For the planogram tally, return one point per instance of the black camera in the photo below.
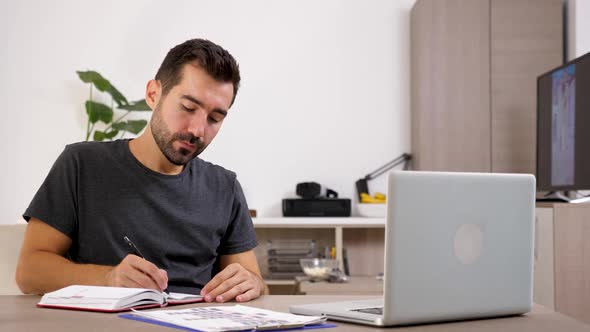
(308, 189)
(313, 204)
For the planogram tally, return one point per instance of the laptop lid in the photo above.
(457, 246)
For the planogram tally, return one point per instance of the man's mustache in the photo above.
(186, 137)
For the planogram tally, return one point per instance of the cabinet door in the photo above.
(572, 260)
(450, 70)
(544, 281)
(365, 250)
(526, 41)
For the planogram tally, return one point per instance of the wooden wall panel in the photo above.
(526, 41)
(450, 55)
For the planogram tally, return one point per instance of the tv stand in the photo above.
(557, 196)
(585, 199)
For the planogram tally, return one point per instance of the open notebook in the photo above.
(112, 299)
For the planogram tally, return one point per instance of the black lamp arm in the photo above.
(404, 158)
(361, 184)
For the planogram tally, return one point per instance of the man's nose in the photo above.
(198, 124)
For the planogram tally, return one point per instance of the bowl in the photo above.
(372, 210)
(318, 268)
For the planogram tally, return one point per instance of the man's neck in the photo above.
(146, 151)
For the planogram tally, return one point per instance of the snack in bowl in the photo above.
(318, 268)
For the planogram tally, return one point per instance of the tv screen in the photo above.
(563, 127)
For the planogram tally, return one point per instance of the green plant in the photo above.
(100, 112)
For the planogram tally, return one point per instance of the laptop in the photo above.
(457, 246)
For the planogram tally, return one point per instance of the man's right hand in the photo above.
(134, 271)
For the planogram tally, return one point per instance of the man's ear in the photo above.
(153, 93)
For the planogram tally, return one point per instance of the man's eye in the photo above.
(187, 109)
(213, 120)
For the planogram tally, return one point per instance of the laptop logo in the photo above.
(468, 243)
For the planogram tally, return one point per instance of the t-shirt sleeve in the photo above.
(55, 203)
(240, 235)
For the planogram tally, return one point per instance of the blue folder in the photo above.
(157, 322)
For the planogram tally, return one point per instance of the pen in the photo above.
(134, 249)
(136, 252)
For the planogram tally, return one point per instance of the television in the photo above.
(563, 127)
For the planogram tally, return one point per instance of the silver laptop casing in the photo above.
(425, 279)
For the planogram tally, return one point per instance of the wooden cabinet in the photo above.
(572, 259)
(562, 268)
(474, 65)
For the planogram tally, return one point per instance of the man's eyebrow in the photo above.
(198, 102)
(220, 111)
(192, 99)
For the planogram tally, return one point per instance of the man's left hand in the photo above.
(233, 282)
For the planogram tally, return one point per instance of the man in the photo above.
(187, 217)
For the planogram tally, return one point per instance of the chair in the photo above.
(11, 239)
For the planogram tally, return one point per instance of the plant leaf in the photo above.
(111, 134)
(102, 84)
(133, 126)
(99, 135)
(98, 112)
(139, 105)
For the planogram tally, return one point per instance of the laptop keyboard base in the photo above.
(374, 311)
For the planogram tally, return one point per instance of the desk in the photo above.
(18, 314)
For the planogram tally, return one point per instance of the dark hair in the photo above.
(216, 61)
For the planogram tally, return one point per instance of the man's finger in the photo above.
(225, 274)
(249, 295)
(229, 289)
(138, 280)
(151, 270)
(141, 279)
(236, 290)
(220, 289)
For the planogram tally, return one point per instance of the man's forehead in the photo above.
(193, 70)
(192, 80)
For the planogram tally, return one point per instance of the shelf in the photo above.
(319, 222)
(335, 224)
(276, 282)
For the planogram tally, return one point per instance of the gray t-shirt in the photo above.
(97, 192)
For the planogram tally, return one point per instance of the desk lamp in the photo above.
(361, 184)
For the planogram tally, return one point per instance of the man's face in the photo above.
(187, 119)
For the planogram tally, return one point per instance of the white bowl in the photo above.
(372, 210)
(317, 268)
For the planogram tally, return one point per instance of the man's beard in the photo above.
(165, 139)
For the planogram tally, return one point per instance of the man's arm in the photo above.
(42, 265)
(240, 278)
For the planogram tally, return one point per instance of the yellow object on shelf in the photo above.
(379, 198)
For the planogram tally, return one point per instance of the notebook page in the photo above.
(229, 318)
(103, 292)
(182, 296)
(99, 297)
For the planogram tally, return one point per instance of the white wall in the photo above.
(325, 92)
(578, 28)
